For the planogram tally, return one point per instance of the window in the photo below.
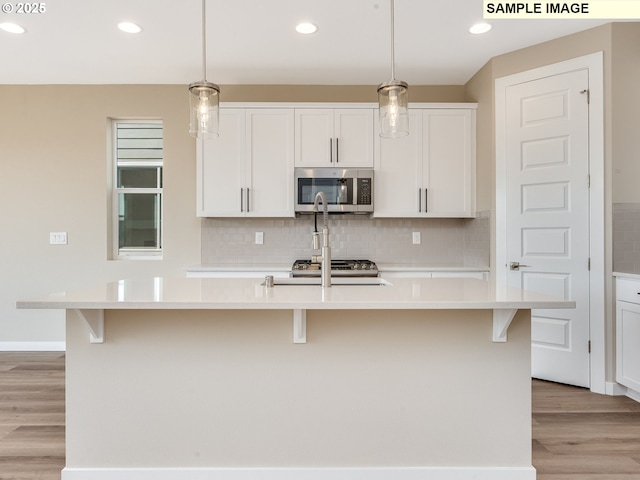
(137, 193)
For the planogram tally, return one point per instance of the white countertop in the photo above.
(248, 293)
(632, 276)
(382, 267)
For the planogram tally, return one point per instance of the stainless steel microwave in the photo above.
(347, 190)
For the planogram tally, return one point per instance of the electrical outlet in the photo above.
(259, 238)
(58, 238)
(416, 238)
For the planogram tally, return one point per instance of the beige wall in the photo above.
(619, 43)
(53, 165)
(53, 177)
(480, 88)
(625, 107)
(572, 46)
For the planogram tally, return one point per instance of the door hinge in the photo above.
(588, 92)
(589, 263)
(589, 346)
(589, 181)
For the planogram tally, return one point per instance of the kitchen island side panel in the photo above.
(228, 388)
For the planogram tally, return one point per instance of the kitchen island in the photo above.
(192, 378)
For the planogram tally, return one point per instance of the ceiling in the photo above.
(254, 42)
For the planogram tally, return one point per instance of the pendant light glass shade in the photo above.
(393, 104)
(393, 99)
(204, 102)
(204, 97)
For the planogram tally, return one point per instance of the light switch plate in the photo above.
(416, 238)
(58, 238)
(259, 238)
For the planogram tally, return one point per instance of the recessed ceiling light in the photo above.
(306, 28)
(12, 27)
(480, 28)
(129, 27)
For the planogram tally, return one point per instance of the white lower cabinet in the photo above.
(430, 172)
(404, 274)
(247, 170)
(230, 273)
(480, 275)
(476, 275)
(628, 333)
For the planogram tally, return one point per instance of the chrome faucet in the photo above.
(325, 257)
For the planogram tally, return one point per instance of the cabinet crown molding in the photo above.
(339, 105)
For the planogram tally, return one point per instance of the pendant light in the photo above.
(393, 99)
(204, 97)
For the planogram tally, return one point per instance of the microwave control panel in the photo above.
(364, 191)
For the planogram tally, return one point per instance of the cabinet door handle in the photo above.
(331, 150)
(337, 151)
(419, 200)
(248, 199)
(242, 199)
(426, 200)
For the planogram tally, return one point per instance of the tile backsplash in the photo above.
(444, 242)
(626, 237)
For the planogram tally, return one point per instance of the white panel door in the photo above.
(547, 194)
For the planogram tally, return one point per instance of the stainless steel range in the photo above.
(339, 268)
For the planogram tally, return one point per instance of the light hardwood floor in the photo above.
(577, 435)
(31, 416)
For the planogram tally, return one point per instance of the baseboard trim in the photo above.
(615, 389)
(417, 473)
(633, 395)
(33, 346)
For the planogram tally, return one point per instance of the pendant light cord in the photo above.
(204, 40)
(393, 61)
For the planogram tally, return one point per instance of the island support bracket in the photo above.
(299, 326)
(502, 318)
(95, 321)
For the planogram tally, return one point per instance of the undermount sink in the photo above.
(335, 281)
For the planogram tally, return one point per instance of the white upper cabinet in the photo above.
(334, 137)
(248, 170)
(431, 172)
(398, 173)
(269, 165)
(220, 164)
(448, 152)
